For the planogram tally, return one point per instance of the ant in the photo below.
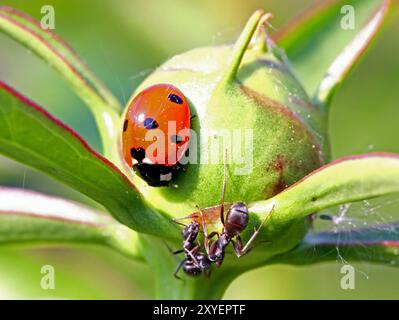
(234, 223)
(195, 261)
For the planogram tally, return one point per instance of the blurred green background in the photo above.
(123, 41)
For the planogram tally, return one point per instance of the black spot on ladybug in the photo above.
(176, 139)
(175, 98)
(125, 125)
(138, 154)
(150, 123)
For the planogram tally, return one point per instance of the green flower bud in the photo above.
(245, 91)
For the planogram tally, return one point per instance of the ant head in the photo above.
(237, 218)
(191, 230)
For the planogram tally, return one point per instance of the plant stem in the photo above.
(163, 264)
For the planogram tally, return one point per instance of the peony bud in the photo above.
(248, 105)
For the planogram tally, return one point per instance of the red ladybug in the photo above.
(156, 133)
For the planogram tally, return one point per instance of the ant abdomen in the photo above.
(198, 265)
(237, 218)
(191, 269)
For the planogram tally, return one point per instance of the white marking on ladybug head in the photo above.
(166, 177)
(147, 160)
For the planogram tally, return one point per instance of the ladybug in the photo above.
(156, 133)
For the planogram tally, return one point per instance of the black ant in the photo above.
(195, 261)
(235, 222)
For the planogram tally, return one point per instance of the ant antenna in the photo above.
(176, 220)
(223, 187)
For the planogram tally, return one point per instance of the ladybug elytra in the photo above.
(156, 133)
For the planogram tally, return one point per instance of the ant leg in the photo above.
(191, 254)
(203, 222)
(207, 241)
(238, 249)
(196, 248)
(170, 249)
(206, 236)
(212, 234)
(240, 252)
(178, 268)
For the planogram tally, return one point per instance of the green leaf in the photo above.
(321, 51)
(345, 180)
(378, 244)
(28, 217)
(31, 136)
(52, 49)
(81, 272)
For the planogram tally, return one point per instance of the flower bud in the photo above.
(250, 112)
